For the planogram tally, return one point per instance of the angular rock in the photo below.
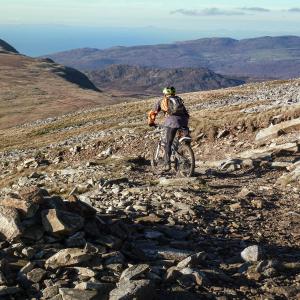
(113, 258)
(32, 195)
(109, 241)
(57, 297)
(289, 178)
(67, 257)
(26, 209)
(36, 275)
(152, 218)
(150, 234)
(76, 240)
(3, 280)
(244, 193)
(61, 222)
(281, 128)
(136, 289)
(168, 253)
(34, 232)
(11, 290)
(81, 208)
(10, 225)
(257, 203)
(50, 291)
(192, 260)
(84, 271)
(103, 288)
(179, 181)
(134, 272)
(172, 274)
(252, 253)
(74, 294)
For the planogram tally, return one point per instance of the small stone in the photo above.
(252, 253)
(245, 193)
(235, 206)
(109, 241)
(11, 290)
(257, 203)
(134, 272)
(50, 291)
(28, 252)
(192, 260)
(85, 272)
(187, 281)
(34, 232)
(61, 222)
(81, 208)
(32, 195)
(172, 274)
(103, 288)
(75, 294)
(26, 209)
(76, 240)
(153, 234)
(10, 224)
(149, 219)
(113, 258)
(136, 289)
(36, 275)
(3, 280)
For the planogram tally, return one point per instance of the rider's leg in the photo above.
(170, 135)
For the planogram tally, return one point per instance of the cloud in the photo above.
(294, 10)
(213, 11)
(255, 9)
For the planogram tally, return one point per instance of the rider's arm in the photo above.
(153, 113)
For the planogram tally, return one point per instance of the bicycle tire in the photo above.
(181, 166)
(157, 157)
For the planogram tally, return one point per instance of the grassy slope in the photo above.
(29, 90)
(134, 115)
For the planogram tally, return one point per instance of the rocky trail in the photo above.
(82, 216)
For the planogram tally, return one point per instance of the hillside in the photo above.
(83, 216)
(5, 47)
(265, 57)
(150, 81)
(32, 89)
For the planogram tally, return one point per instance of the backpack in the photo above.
(175, 105)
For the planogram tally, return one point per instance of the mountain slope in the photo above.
(150, 81)
(265, 57)
(5, 47)
(32, 89)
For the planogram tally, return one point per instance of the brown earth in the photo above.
(32, 89)
(102, 156)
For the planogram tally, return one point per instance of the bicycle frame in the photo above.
(178, 158)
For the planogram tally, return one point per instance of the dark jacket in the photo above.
(173, 121)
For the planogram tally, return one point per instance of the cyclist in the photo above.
(176, 115)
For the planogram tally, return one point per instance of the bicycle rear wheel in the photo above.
(185, 161)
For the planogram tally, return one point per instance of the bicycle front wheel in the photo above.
(157, 160)
(185, 161)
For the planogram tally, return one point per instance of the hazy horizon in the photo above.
(41, 27)
(44, 39)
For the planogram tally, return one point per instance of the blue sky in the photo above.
(141, 21)
(138, 13)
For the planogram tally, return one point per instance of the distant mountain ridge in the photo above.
(263, 57)
(150, 81)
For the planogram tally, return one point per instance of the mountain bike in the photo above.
(182, 156)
